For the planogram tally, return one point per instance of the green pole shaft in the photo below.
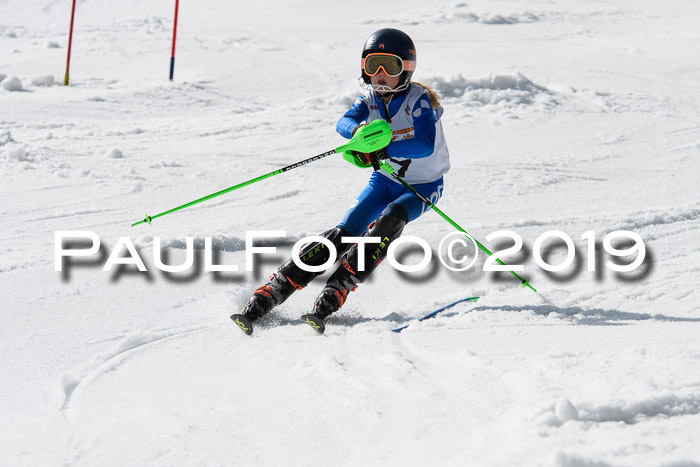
(370, 137)
(390, 170)
(148, 218)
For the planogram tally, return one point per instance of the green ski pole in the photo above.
(369, 138)
(390, 170)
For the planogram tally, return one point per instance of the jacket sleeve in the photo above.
(357, 114)
(423, 142)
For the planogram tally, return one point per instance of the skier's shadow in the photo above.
(270, 321)
(586, 317)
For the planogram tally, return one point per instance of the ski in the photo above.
(315, 322)
(246, 326)
(432, 314)
(242, 322)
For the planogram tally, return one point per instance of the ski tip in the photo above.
(242, 322)
(315, 322)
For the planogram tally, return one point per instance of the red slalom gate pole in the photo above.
(70, 42)
(172, 55)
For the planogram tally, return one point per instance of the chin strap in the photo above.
(378, 88)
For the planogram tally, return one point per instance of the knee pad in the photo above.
(387, 228)
(397, 211)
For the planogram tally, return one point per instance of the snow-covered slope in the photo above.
(565, 116)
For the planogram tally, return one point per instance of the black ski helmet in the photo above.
(389, 40)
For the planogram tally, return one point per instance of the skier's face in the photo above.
(382, 79)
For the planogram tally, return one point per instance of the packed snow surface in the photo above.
(577, 117)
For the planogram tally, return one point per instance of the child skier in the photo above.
(417, 152)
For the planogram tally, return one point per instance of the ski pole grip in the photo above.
(369, 138)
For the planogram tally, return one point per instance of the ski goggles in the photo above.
(393, 65)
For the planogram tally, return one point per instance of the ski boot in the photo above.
(330, 301)
(288, 278)
(347, 277)
(264, 299)
(258, 306)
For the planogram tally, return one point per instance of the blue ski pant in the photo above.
(378, 197)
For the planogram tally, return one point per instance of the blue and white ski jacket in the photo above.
(418, 150)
